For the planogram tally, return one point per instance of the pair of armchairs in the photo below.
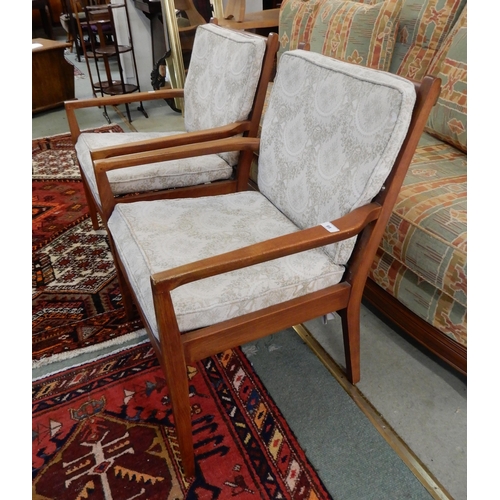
(212, 264)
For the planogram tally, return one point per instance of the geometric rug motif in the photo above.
(76, 300)
(105, 430)
(81, 260)
(56, 205)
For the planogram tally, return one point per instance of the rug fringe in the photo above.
(59, 358)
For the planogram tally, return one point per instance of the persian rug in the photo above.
(104, 431)
(76, 299)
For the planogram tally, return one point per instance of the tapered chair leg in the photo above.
(127, 299)
(178, 385)
(175, 368)
(91, 206)
(351, 333)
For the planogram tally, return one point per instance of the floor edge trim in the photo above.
(431, 484)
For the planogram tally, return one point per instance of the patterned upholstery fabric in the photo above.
(448, 119)
(359, 117)
(161, 175)
(155, 236)
(423, 27)
(422, 259)
(223, 63)
(350, 31)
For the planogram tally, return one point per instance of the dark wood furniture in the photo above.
(44, 11)
(53, 78)
(101, 22)
(453, 353)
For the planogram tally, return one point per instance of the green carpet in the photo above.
(351, 457)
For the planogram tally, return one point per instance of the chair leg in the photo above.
(127, 299)
(90, 202)
(93, 216)
(178, 386)
(351, 333)
(173, 362)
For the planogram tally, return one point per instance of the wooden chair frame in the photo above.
(368, 222)
(248, 128)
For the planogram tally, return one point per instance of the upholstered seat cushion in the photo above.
(144, 178)
(422, 259)
(159, 235)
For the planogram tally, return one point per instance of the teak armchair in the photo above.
(214, 272)
(223, 96)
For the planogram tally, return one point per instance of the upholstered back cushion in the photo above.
(448, 118)
(224, 71)
(423, 27)
(329, 138)
(350, 31)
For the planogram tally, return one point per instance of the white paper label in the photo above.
(330, 227)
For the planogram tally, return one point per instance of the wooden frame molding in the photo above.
(430, 337)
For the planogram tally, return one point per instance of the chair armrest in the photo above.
(113, 100)
(107, 198)
(171, 141)
(186, 150)
(348, 226)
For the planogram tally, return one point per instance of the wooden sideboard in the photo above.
(53, 78)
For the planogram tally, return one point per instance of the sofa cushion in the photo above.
(427, 235)
(423, 27)
(448, 119)
(350, 31)
(420, 297)
(428, 227)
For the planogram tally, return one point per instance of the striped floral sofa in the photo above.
(419, 277)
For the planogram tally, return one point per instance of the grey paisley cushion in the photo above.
(223, 75)
(330, 136)
(158, 235)
(220, 88)
(144, 178)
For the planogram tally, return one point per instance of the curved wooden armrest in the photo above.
(110, 100)
(113, 100)
(177, 152)
(107, 198)
(171, 141)
(348, 226)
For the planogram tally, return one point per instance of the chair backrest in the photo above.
(330, 137)
(222, 79)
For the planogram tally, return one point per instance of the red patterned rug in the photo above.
(76, 298)
(104, 431)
